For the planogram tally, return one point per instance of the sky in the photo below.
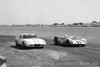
(49, 11)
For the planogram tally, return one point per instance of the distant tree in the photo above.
(69, 25)
(62, 24)
(75, 24)
(94, 22)
(29, 25)
(56, 24)
(81, 23)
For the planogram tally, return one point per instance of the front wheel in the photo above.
(56, 41)
(42, 46)
(23, 43)
(67, 42)
(81, 45)
(16, 44)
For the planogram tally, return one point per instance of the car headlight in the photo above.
(44, 41)
(83, 39)
(28, 42)
(74, 42)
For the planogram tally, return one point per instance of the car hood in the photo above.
(34, 41)
(78, 42)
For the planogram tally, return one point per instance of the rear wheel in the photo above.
(67, 42)
(56, 41)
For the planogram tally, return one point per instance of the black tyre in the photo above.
(23, 43)
(56, 41)
(79, 45)
(16, 44)
(42, 47)
(67, 42)
(83, 45)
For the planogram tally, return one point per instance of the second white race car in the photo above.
(69, 40)
(29, 40)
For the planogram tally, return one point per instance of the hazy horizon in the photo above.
(49, 11)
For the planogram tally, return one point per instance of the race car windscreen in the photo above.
(29, 36)
(73, 38)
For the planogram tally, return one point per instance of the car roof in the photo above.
(62, 36)
(28, 34)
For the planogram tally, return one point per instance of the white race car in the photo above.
(69, 40)
(29, 40)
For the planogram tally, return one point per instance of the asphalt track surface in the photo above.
(90, 53)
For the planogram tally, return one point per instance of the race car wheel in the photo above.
(83, 45)
(16, 44)
(80, 45)
(42, 46)
(23, 43)
(56, 41)
(67, 42)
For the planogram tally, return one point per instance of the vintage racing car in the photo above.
(69, 40)
(29, 40)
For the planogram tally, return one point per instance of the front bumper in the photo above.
(35, 45)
